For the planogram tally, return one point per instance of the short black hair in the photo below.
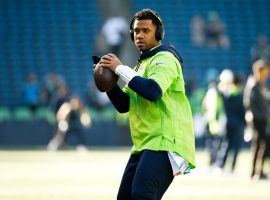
(147, 13)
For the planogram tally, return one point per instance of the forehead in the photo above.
(145, 23)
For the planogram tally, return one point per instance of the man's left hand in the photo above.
(110, 61)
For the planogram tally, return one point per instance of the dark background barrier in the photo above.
(38, 133)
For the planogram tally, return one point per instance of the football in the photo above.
(104, 78)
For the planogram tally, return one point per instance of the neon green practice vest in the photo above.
(166, 124)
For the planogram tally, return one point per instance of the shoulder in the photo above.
(165, 57)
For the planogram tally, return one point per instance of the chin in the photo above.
(143, 48)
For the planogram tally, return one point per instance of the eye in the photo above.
(137, 31)
(146, 30)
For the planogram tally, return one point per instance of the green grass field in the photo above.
(95, 175)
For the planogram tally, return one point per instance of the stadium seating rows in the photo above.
(44, 36)
(244, 19)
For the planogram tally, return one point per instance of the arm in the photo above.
(63, 112)
(147, 88)
(119, 99)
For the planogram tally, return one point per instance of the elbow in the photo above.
(155, 97)
(156, 94)
(122, 110)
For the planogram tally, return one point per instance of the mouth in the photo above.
(140, 44)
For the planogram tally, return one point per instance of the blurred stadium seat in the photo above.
(44, 113)
(23, 114)
(5, 114)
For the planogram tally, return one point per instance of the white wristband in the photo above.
(125, 73)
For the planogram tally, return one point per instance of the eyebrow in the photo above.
(142, 28)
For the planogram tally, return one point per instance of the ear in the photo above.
(131, 32)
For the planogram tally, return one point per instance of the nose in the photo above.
(140, 35)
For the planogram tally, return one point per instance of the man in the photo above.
(258, 106)
(230, 89)
(72, 117)
(159, 112)
(214, 114)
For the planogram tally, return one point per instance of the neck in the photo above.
(153, 47)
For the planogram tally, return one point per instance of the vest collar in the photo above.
(155, 50)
